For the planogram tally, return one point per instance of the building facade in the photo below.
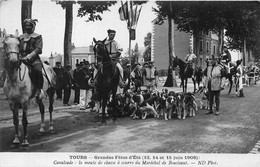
(1, 51)
(203, 45)
(79, 54)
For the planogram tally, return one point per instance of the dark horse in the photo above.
(229, 76)
(185, 74)
(107, 77)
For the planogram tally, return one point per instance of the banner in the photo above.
(123, 11)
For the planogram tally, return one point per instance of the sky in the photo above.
(51, 24)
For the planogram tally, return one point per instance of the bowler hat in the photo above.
(111, 31)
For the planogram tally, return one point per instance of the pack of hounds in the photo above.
(164, 105)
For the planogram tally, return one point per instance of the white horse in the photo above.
(19, 88)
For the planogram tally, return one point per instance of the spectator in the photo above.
(169, 80)
(85, 92)
(67, 82)
(190, 60)
(151, 77)
(239, 74)
(136, 76)
(58, 69)
(78, 74)
(127, 76)
(145, 66)
(213, 84)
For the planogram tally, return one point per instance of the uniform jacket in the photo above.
(29, 43)
(190, 57)
(150, 73)
(79, 76)
(113, 47)
(226, 57)
(67, 79)
(213, 81)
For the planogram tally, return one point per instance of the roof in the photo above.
(82, 50)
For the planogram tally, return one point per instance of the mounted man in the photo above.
(30, 49)
(190, 60)
(225, 59)
(114, 51)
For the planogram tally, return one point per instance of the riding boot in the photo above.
(39, 85)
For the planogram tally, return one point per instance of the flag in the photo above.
(135, 16)
(123, 11)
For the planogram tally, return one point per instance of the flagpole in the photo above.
(129, 29)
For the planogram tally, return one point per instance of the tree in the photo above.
(135, 55)
(147, 44)
(68, 6)
(26, 11)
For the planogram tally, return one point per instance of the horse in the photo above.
(107, 77)
(185, 74)
(19, 89)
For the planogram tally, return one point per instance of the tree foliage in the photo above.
(93, 9)
(147, 44)
(239, 18)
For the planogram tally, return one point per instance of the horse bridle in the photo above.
(103, 47)
(8, 53)
(13, 52)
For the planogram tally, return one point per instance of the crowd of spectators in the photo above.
(77, 79)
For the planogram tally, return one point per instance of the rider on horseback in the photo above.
(191, 59)
(30, 48)
(114, 50)
(225, 59)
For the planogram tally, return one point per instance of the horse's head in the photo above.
(175, 62)
(11, 49)
(100, 50)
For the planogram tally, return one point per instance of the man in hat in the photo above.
(136, 76)
(151, 76)
(67, 82)
(114, 50)
(191, 59)
(213, 83)
(225, 59)
(127, 76)
(59, 70)
(30, 49)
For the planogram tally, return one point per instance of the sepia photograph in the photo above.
(129, 83)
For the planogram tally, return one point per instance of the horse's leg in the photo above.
(186, 81)
(114, 116)
(183, 85)
(231, 83)
(51, 92)
(41, 107)
(25, 143)
(15, 110)
(194, 84)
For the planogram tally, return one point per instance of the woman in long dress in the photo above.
(169, 80)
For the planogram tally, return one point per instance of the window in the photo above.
(207, 47)
(214, 49)
(201, 46)
(83, 60)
